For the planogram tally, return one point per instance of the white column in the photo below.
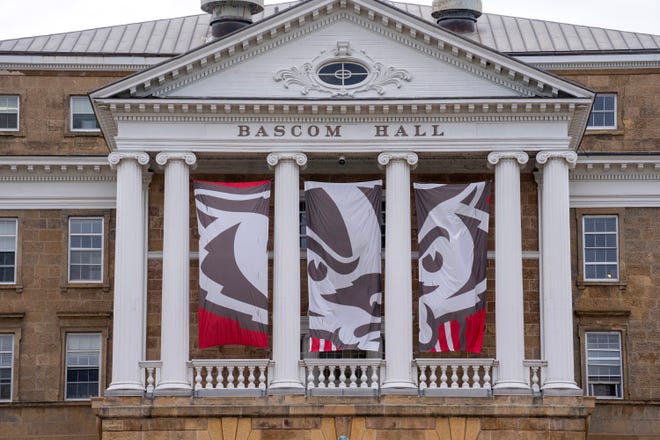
(509, 311)
(286, 273)
(129, 282)
(398, 272)
(174, 340)
(557, 298)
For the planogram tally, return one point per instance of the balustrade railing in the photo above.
(536, 369)
(229, 376)
(343, 376)
(455, 377)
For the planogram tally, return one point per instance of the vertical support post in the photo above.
(286, 273)
(130, 269)
(398, 273)
(174, 345)
(557, 331)
(509, 311)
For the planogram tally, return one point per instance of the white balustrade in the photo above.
(455, 377)
(246, 377)
(343, 376)
(536, 370)
(151, 375)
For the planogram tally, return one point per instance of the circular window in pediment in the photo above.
(343, 73)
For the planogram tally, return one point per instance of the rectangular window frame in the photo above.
(102, 250)
(12, 362)
(587, 359)
(17, 112)
(73, 103)
(13, 282)
(595, 110)
(98, 366)
(585, 249)
(579, 213)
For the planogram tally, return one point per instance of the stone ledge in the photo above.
(301, 406)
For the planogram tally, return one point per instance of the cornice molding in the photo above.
(597, 65)
(78, 67)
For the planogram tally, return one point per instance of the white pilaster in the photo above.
(174, 341)
(509, 311)
(398, 271)
(129, 280)
(286, 272)
(557, 307)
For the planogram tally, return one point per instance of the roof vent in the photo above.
(457, 16)
(230, 15)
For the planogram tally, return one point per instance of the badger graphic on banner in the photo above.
(343, 265)
(233, 262)
(452, 225)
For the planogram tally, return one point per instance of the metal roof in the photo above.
(174, 36)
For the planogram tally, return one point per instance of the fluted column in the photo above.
(398, 271)
(509, 311)
(129, 281)
(286, 272)
(557, 320)
(174, 343)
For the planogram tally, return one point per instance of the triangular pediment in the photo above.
(401, 57)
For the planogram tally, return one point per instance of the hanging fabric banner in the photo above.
(452, 225)
(343, 265)
(233, 262)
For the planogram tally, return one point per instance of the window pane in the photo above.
(604, 367)
(6, 365)
(8, 112)
(83, 364)
(86, 249)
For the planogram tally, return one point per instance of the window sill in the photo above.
(602, 131)
(12, 133)
(85, 286)
(91, 133)
(621, 284)
(18, 288)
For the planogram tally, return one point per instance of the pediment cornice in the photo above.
(308, 17)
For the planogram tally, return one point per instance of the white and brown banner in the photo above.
(343, 265)
(453, 242)
(233, 262)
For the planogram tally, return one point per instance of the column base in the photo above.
(286, 387)
(124, 389)
(561, 388)
(173, 389)
(511, 388)
(399, 387)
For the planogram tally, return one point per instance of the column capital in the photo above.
(496, 156)
(569, 156)
(189, 158)
(116, 157)
(274, 158)
(385, 158)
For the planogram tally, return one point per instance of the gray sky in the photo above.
(25, 18)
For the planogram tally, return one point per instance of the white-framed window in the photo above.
(6, 366)
(86, 249)
(83, 365)
(603, 113)
(604, 364)
(601, 247)
(9, 113)
(82, 115)
(8, 234)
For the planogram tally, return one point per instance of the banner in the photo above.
(452, 225)
(343, 265)
(233, 262)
